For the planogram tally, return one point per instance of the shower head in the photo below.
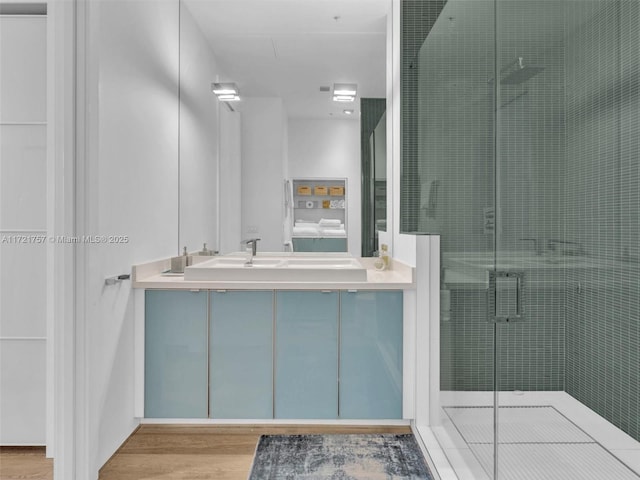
(517, 72)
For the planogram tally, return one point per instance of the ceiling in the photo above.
(289, 48)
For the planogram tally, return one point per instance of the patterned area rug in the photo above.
(339, 457)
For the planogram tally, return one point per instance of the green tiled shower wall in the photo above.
(416, 18)
(568, 169)
(602, 209)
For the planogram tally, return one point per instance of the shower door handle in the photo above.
(504, 308)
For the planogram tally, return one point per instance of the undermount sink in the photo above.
(280, 269)
(223, 262)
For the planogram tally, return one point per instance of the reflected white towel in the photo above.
(308, 230)
(329, 221)
(334, 233)
(332, 227)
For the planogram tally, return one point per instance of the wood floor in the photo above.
(25, 462)
(202, 452)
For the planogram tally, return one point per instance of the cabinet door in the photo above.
(306, 354)
(320, 244)
(303, 244)
(175, 354)
(241, 354)
(331, 244)
(371, 354)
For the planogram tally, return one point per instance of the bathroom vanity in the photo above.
(295, 336)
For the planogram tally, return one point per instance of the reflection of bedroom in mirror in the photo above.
(291, 62)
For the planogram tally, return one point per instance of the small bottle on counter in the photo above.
(383, 261)
(384, 256)
(378, 263)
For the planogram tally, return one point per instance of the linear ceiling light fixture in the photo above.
(344, 92)
(226, 92)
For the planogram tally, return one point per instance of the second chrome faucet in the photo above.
(254, 248)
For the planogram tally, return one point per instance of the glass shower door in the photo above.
(529, 177)
(456, 192)
(527, 128)
(567, 109)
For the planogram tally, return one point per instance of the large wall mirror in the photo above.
(238, 159)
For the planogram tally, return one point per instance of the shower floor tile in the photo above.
(536, 443)
(553, 461)
(540, 424)
(604, 452)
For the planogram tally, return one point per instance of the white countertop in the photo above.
(149, 276)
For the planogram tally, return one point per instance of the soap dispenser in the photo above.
(188, 258)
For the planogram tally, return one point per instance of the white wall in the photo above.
(230, 181)
(199, 126)
(330, 148)
(23, 213)
(127, 186)
(263, 132)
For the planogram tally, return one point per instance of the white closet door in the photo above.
(23, 133)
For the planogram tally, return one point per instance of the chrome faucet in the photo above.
(254, 248)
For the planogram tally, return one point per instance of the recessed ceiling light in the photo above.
(228, 98)
(345, 88)
(226, 92)
(344, 92)
(224, 88)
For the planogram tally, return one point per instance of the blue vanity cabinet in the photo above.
(241, 358)
(175, 354)
(371, 354)
(306, 366)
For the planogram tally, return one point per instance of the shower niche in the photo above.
(319, 214)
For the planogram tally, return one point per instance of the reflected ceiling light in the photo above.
(348, 112)
(228, 98)
(344, 92)
(226, 92)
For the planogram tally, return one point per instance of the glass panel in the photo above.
(306, 354)
(371, 354)
(176, 346)
(455, 147)
(564, 93)
(567, 183)
(241, 354)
